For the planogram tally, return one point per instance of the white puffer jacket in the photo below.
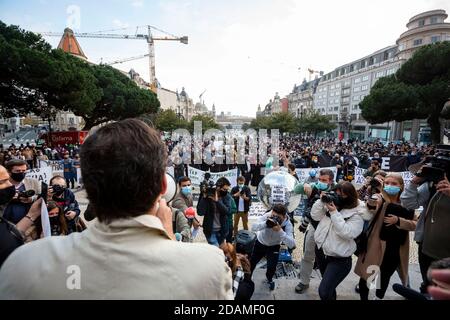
(336, 234)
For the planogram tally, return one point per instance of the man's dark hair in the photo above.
(223, 182)
(327, 172)
(56, 177)
(291, 167)
(280, 209)
(123, 167)
(15, 163)
(183, 179)
(241, 178)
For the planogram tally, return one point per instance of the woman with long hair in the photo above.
(58, 224)
(387, 238)
(340, 223)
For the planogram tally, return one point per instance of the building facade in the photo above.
(300, 100)
(339, 92)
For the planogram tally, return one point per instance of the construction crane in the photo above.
(201, 95)
(125, 59)
(311, 72)
(147, 37)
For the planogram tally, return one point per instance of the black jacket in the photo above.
(207, 208)
(248, 194)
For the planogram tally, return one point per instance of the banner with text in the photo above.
(197, 176)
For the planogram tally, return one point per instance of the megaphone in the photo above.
(171, 188)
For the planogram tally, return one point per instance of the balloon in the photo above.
(277, 187)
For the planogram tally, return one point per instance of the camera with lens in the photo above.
(437, 167)
(26, 194)
(208, 188)
(272, 221)
(57, 189)
(331, 196)
(375, 186)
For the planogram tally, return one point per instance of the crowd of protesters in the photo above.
(141, 232)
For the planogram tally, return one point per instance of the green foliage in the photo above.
(314, 123)
(36, 79)
(207, 123)
(419, 90)
(168, 120)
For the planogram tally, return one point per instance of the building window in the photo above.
(346, 91)
(363, 64)
(365, 78)
(338, 85)
(355, 107)
(353, 116)
(347, 83)
(346, 99)
(332, 87)
(356, 89)
(371, 62)
(421, 23)
(435, 39)
(336, 108)
(338, 93)
(379, 74)
(357, 80)
(417, 42)
(355, 98)
(71, 121)
(433, 20)
(364, 87)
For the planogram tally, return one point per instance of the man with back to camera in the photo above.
(128, 251)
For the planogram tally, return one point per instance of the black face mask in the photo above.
(54, 220)
(7, 194)
(223, 193)
(18, 176)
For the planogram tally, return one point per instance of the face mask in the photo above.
(350, 163)
(321, 186)
(312, 174)
(7, 194)
(186, 190)
(240, 186)
(391, 190)
(18, 176)
(223, 193)
(54, 220)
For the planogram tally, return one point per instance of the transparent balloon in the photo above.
(277, 187)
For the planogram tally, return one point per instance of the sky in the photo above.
(240, 51)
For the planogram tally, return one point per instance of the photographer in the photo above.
(272, 229)
(387, 238)
(313, 192)
(373, 185)
(211, 206)
(374, 167)
(12, 236)
(422, 189)
(27, 190)
(340, 222)
(242, 197)
(65, 198)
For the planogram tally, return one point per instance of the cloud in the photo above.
(120, 24)
(137, 3)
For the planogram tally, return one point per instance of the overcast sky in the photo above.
(241, 52)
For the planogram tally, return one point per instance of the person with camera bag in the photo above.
(307, 225)
(340, 222)
(272, 229)
(214, 211)
(387, 238)
(65, 198)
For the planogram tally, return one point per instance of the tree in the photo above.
(36, 79)
(314, 123)
(168, 120)
(207, 123)
(121, 98)
(419, 90)
(285, 122)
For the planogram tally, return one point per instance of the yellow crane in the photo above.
(147, 37)
(311, 72)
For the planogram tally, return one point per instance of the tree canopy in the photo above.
(418, 90)
(37, 79)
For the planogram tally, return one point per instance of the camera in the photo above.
(26, 194)
(208, 188)
(57, 189)
(273, 221)
(375, 186)
(331, 196)
(437, 167)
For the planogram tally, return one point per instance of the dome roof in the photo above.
(70, 44)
